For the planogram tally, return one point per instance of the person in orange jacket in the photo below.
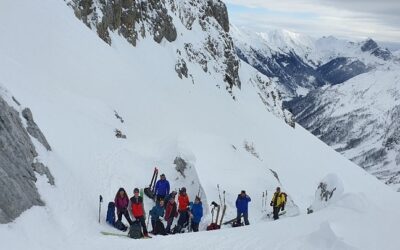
(138, 210)
(183, 207)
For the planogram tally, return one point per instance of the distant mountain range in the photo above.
(346, 93)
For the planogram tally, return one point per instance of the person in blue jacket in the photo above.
(196, 213)
(242, 206)
(156, 213)
(162, 188)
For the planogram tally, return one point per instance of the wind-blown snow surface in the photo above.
(73, 82)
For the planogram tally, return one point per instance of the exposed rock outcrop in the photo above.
(18, 164)
(157, 18)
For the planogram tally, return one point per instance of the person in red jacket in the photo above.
(138, 210)
(171, 212)
(121, 203)
(183, 207)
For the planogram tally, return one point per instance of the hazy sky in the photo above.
(378, 19)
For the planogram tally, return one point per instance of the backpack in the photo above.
(110, 219)
(135, 230)
(213, 226)
(159, 228)
(177, 229)
(120, 226)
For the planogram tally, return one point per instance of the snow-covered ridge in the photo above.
(301, 63)
(359, 118)
(74, 82)
(305, 69)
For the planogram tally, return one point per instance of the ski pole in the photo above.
(148, 220)
(219, 194)
(100, 201)
(262, 202)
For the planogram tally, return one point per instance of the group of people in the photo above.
(242, 205)
(190, 213)
(166, 207)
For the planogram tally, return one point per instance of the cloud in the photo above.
(343, 18)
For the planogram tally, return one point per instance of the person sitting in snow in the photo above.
(183, 207)
(196, 213)
(171, 212)
(168, 197)
(242, 206)
(162, 188)
(138, 210)
(278, 200)
(121, 203)
(155, 213)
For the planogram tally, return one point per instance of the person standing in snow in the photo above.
(196, 213)
(242, 206)
(138, 210)
(155, 213)
(162, 188)
(183, 207)
(121, 203)
(171, 212)
(278, 200)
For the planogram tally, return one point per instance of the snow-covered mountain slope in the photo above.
(74, 82)
(367, 51)
(281, 55)
(345, 116)
(359, 118)
(396, 54)
(301, 64)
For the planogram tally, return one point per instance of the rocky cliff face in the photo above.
(169, 19)
(18, 162)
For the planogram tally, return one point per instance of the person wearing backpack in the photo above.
(121, 202)
(242, 206)
(196, 213)
(183, 207)
(138, 210)
(156, 213)
(276, 203)
(284, 201)
(171, 212)
(162, 188)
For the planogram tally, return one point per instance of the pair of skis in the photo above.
(222, 205)
(121, 235)
(264, 202)
(150, 190)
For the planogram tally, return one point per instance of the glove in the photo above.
(271, 204)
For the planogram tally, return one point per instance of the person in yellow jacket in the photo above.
(278, 201)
